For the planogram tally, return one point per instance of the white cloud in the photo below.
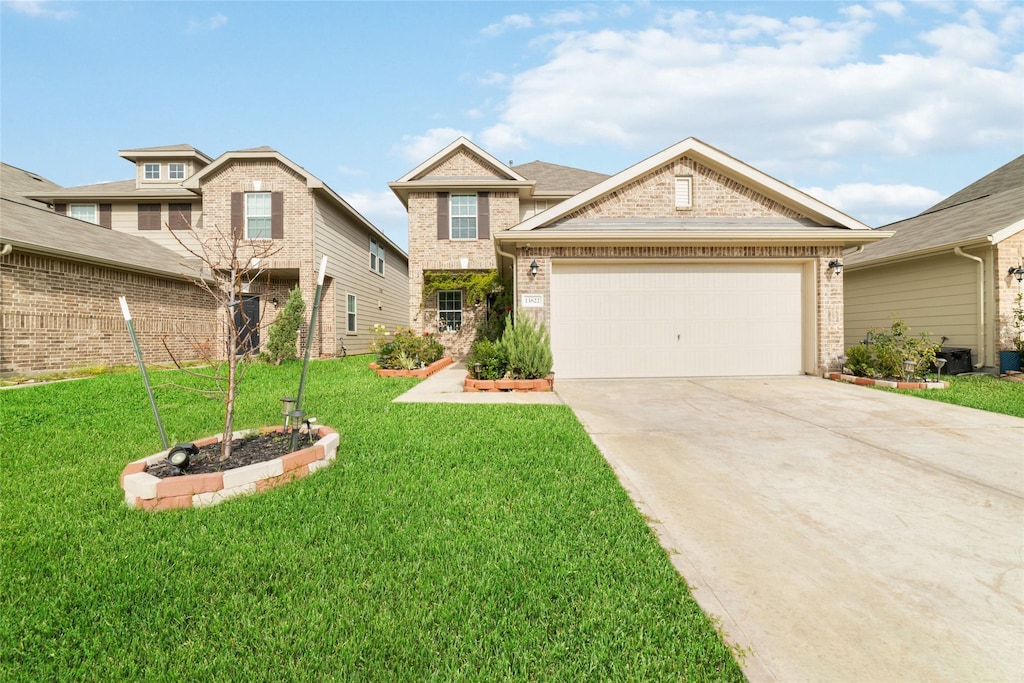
(502, 138)
(892, 9)
(492, 78)
(39, 8)
(418, 148)
(513, 21)
(968, 42)
(784, 90)
(856, 12)
(212, 24)
(877, 204)
(384, 210)
(570, 16)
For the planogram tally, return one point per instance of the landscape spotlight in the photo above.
(180, 454)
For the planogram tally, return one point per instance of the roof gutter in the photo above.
(981, 304)
(695, 237)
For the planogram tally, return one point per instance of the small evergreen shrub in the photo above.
(883, 356)
(406, 350)
(528, 349)
(490, 356)
(283, 337)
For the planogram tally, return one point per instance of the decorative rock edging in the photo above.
(545, 384)
(869, 382)
(422, 373)
(143, 490)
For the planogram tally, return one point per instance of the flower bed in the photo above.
(143, 490)
(545, 384)
(419, 372)
(891, 384)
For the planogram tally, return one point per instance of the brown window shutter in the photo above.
(179, 216)
(149, 216)
(60, 208)
(442, 215)
(238, 214)
(277, 215)
(483, 215)
(105, 215)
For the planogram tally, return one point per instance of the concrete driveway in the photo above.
(839, 533)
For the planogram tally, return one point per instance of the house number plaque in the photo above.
(533, 301)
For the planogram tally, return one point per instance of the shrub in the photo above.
(406, 350)
(282, 339)
(528, 349)
(491, 357)
(884, 354)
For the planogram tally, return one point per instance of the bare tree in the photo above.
(229, 265)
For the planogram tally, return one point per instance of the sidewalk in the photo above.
(446, 387)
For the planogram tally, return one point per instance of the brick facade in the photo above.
(1008, 253)
(60, 314)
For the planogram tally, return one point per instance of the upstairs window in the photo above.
(257, 216)
(463, 215)
(179, 216)
(376, 257)
(84, 212)
(176, 171)
(149, 216)
(151, 171)
(449, 310)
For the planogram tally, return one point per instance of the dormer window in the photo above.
(176, 171)
(151, 171)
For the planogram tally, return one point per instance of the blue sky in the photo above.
(878, 108)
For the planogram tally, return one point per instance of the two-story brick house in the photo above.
(688, 263)
(181, 198)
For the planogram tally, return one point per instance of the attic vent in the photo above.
(684, 198)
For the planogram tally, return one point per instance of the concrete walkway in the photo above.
(838, 533)
(445, 386)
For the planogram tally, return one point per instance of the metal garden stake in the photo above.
(142, 368)
(309, 336)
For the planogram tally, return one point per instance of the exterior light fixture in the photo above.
(836, 266)
(939, 362)
(908, 368)
(180, 454)
(842, 362)
(287, 405)
(1017, 272)
(296, 420)
(275, 302)
(477, 367)
(534, 268)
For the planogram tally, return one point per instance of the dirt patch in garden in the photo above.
(245, 451)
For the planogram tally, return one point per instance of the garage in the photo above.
(678, 319)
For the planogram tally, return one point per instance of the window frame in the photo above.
(95, 220)
(146, 169)
(449, 318)
(268, 217)
(175, 166)
(463, 215)
(376, 257)
(351, 313)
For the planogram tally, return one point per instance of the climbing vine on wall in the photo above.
(476, 283)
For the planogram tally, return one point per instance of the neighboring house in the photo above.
(60, 279)
(689, 263)
(946, 271)
(181, 198)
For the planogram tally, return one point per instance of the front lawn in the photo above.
(447, 542)
(984, 392)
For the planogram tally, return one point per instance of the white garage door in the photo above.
(676, 320)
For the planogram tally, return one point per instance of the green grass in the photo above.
(446, 543)
(977, 391)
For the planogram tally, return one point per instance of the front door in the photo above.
(247, 322)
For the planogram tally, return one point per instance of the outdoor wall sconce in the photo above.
(534, 268)
(836, 266)
(274, 301)
(287, 405)
(180, 454)
(1017, 272)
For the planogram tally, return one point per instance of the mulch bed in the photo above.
(245, 451)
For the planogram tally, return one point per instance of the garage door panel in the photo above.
(676, 320)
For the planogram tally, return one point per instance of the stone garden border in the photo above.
(545, 384)
(143, 490)
(422, 373)
(869, 381)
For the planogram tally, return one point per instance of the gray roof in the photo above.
(164, 148)
(30, 226)
(976, 212)
(559, 180)
(113, 190)
(16, 183)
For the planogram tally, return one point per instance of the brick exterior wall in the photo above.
(1008, 253)
(293, 253)
(464, 164)
(60, 315)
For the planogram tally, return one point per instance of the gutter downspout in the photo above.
(515, 280)
(981, 305)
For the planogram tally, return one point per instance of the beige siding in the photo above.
(125, 218)
(380, 299)
(1009, 253)
(937, 295)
